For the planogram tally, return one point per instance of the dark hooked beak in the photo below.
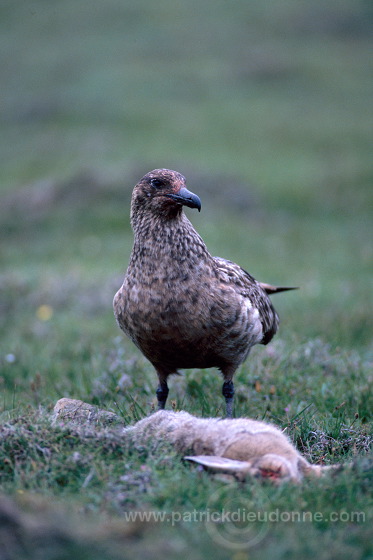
(186, 198)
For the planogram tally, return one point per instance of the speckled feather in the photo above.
(181, 306)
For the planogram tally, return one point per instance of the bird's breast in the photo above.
(191, 322)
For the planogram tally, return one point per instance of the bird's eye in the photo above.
(156, 183)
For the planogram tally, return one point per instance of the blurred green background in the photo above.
(265, 107)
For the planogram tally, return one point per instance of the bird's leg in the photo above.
(162, 390)
(228, 393)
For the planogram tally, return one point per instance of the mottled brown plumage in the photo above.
(181, 306)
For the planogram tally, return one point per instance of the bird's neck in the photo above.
(147, 224)
(173, 240)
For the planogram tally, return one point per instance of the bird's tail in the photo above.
(275, 289)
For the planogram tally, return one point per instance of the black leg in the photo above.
(228, 393)
(162, 394)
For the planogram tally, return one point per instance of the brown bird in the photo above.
(182, 307)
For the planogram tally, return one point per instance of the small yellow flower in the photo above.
(44, 312)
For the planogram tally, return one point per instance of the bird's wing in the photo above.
(246, 285)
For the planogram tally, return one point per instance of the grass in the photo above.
(266, 108)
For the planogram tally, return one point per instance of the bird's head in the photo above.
(162, 192)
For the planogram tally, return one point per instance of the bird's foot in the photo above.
(162, 394)
(228, 393)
